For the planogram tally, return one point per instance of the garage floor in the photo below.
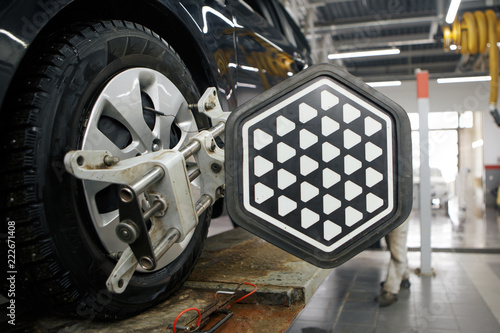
(463, 296)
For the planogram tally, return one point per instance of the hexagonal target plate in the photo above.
(320, 165)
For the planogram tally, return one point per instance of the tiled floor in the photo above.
(458, 229)
(455, 300)
(463, 296)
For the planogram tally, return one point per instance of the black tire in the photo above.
(60, 257)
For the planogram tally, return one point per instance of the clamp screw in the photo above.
(127, 231)
(111, 160)
(210, 105)
(116, 255)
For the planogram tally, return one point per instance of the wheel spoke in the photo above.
(110, 219)
(122, 100)
(96, 140)
(124, 104)
(165, 97)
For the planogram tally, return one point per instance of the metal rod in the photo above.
(151, 177)
(194, 145)
(166, 243)
(188, 150)
(195, 174)
(157, 206)
(203, 204)
(217, 129)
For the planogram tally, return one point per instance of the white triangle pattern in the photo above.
(352, 216)
(350, 113)
(285, 152)
(262, 166)
(307, 165)
(261, 139)
(285, 179)
(373, 202)
(373, 177)
(330, 204)
(308, 191)
(306, 113)
(328, 100)
(352, 190)
(329, 152)
(351, 164)
(372, 151)
(286, 205)
(262, 193)
(351, 139)
(307, 139)
(308, 218)
(330, 230)
(330, 178)
(328, 126)
(284, 126)
(372, 126)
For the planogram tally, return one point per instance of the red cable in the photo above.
(183, 312)
(199, 313)
(250, 293)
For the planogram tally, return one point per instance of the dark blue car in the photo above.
(117, 76)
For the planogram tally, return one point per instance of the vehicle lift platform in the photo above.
(284, 285)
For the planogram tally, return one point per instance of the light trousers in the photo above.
(398, 266)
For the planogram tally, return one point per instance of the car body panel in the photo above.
(225, 41)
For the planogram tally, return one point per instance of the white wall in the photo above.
(472, 96)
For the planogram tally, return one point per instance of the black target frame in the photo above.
(257, 137)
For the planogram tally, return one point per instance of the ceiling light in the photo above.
(453, 47)
(358, 54)
(452, 11)
(464, 79)
(384, 84)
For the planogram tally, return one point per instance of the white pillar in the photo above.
(425, 172)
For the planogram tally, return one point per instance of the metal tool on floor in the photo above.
(221, 307)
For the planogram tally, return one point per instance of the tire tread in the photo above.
(22, 201)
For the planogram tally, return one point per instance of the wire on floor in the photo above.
(198, 323)
(250, 293)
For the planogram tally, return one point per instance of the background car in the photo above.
(441, 191)
(116, 75)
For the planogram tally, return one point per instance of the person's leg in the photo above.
(398, 265)
(399, 262)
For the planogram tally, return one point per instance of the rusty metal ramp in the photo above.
(284, 285)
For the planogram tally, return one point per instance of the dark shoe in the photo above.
(386, 299)
(405, 284)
